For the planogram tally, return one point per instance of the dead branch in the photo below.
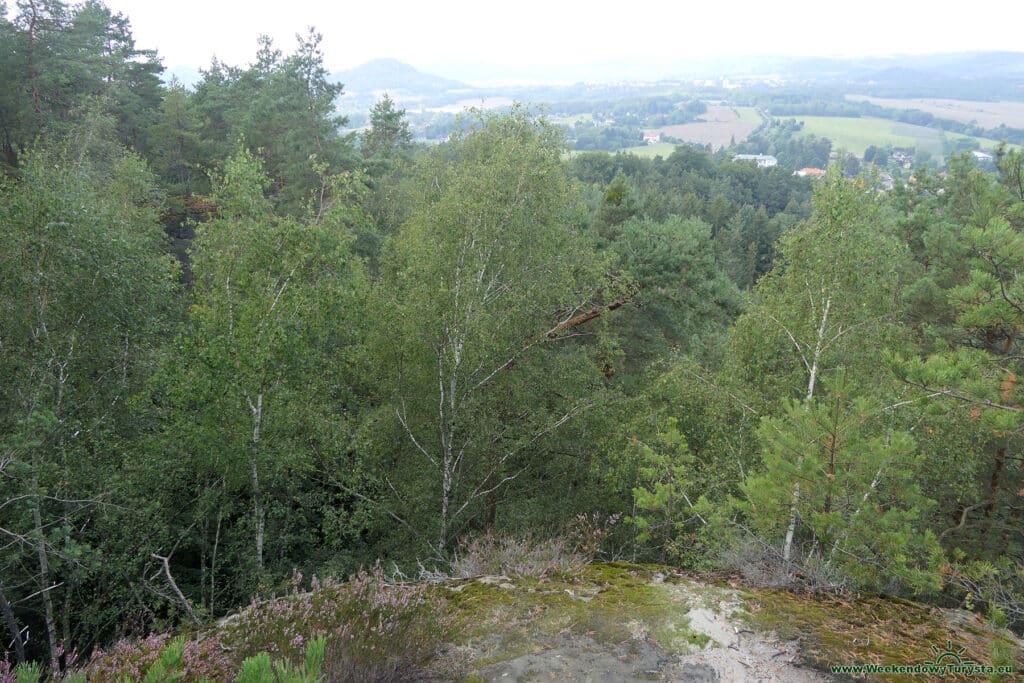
(174, 586)
(585, 317)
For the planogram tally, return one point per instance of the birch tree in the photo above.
(272, 324)
(86, 290)
(832, 301)
(482, 293)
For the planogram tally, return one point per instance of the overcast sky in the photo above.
(431, 33)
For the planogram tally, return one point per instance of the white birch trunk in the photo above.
(787, 547)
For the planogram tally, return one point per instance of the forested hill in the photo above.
(433, 361)
(394, 76)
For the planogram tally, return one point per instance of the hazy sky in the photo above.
(430, 33)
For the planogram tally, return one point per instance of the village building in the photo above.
(762, 160)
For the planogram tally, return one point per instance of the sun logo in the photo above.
(948, 656)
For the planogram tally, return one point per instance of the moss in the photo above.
(866, 629)
(679, 638)
(610, 602)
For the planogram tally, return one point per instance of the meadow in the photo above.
(857, 134)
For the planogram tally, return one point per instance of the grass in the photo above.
(748, 115)
(662, 149)
(857, 134)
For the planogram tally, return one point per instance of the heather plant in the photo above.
(128, 659)
(590, 533)
(523, 556)
(158, 659)
(375, 629)
(206, 660)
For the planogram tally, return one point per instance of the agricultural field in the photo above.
(571, 120)
(984, 114)
(662, 149)
(719, 126)
(857, 134)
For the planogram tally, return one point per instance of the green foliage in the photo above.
(86, 293)
(258, 668)
(830, 301)
(684, 301)
(380, 356)
(474, 386)
(388, 140)
(62, 59)
(283, 109)
(256, 398)
(167, 668)
(665, 512)
(28, 672)
(852, 489)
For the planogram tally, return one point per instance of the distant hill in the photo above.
(394, 76)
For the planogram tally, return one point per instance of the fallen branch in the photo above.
(174, 586)
(585, 317)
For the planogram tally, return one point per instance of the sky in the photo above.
(435, 35)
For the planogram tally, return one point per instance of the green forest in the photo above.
(238, 346)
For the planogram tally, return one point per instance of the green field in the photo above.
(662, 149)
(748, 115)
(857, 134)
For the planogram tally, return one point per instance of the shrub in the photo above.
(26, 672)
(259, 670)
(375, 630)
(206, 660)
(762, 565)
(156, 655)
(519, 556)
(591, 533)
(129, 659)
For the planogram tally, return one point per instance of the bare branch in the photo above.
(174, 587)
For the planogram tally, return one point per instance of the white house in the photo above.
(762, 160)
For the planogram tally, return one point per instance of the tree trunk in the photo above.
(213, 560)
(33, 71)
(12, 627)
(993, 486)
(257, 502)
(44, 574)
(491, 509)
(787, 548)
